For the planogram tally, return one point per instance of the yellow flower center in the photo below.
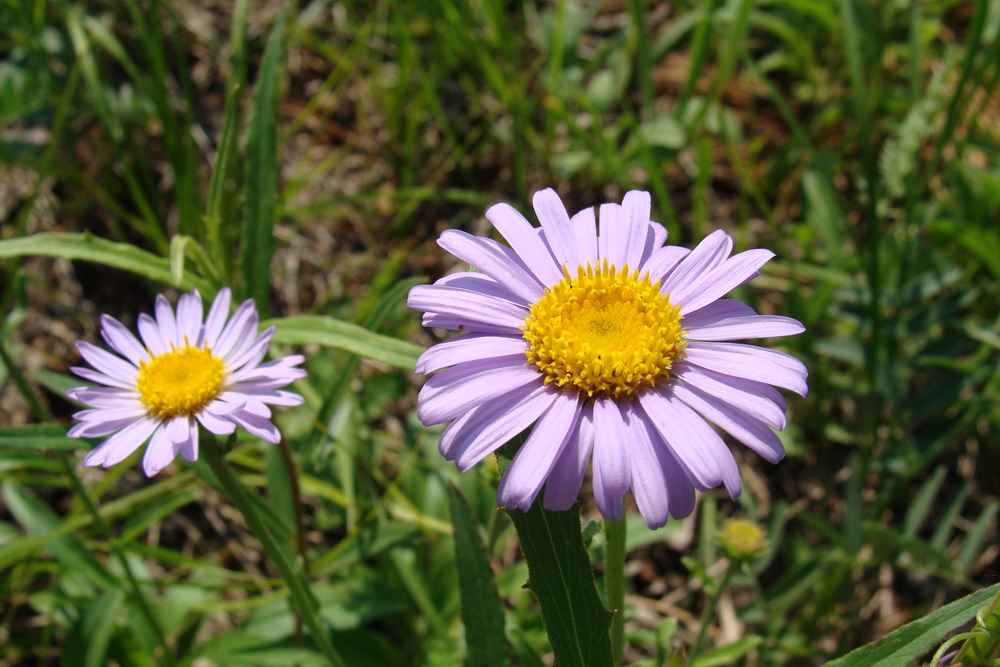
(604, 332)
(179, 382)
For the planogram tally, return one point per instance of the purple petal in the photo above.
(656, 236)
(555, 221)
(469, 347)
(495, 260)
(99, 429)
(238, 331)
(662, 261)
(460, 302)
(750, 362)
(695, 445)
(177, 429)
(463, 323)
(635, 212)
(451, 392)
(524, 240)
(270, 396)
(274, 376)
(190, 448)
(715, 284)
(214, 422)
(101, 378)
(752, 433)
(613, 241)
(151, 336)
(122, 340)
(105, 397)
(160, 452)
(566, 477)
(166, 322)
(131, 412)
(252, 354)
(189, 312)
(584, 227)
(707, 255)
(754, 398)
(717, 311)
(216, 319)
(612, 474)
(481, 283)
(257, 425)
(742, 328)
(121, 444)
(106, 362)
(649, 486)
(492, 424)
(528, 471)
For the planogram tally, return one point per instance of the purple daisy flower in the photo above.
(611, 344)
(187, 370)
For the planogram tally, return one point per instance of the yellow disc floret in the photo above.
(179, 382)
(604, 332)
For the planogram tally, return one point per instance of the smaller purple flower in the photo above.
(187, 370)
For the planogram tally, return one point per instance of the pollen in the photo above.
(605, 332)
(179, 382)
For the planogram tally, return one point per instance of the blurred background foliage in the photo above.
(858, 140)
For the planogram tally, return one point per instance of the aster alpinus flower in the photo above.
(186, 371)
(615, 346)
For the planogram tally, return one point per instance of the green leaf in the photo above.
(91, 248)
(561, 578)
(89, 638)
(906, 644)
(262, 172)
(481, 609)
(728, 654)
(35, 517)
(39, 437)
(664, 131)
(305, 329)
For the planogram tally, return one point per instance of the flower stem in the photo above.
(301, 600)
(709, 611)
(614, 584)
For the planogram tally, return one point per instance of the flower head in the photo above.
(187, 370)
(615, 346)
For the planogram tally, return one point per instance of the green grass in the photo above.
(312, 164)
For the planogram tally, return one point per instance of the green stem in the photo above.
(42, 413)
(983, 642)
(301, 600)
(709, 611)
(614, 584)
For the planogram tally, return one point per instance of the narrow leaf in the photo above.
(94, 249)
(38, 437)
(481, 609)
(305, 329)
(89, 638)
(906, 644)
(262, 172)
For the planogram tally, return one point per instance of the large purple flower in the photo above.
(186, 371)
(609, 343)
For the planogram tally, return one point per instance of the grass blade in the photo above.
(305, 329)
(262, 173)
(481, 610)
